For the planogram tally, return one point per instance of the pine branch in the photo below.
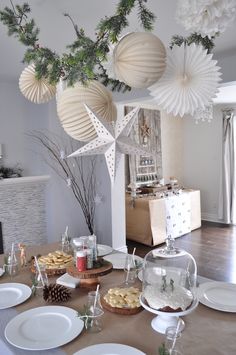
(85, 56)
(206, 42)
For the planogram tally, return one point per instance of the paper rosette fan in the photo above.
(189, 82)
(207, 17)
(73, 115)
(36, 90)
(139, 59)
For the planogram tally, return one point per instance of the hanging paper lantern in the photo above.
(207, 17)
(36, 90)
(139, 59)
(73, 115)
(190, 81)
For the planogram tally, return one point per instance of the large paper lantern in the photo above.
(207, 17)
(190, 81)
(73, 115)
(139, 59)
(36, 90)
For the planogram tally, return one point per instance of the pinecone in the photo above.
(56, 293)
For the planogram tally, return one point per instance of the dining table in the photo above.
(207, 331)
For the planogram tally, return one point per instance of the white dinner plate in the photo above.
(118, 260)
(218, 295)
(109, 349)
(12, 294)
(44, 328)
(104, 249)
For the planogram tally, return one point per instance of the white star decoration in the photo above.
(112, 141)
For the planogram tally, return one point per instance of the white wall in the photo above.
(172, 146)
(18, 117)
(227, 62)
(202, 161)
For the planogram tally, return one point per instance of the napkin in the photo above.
(68, 281)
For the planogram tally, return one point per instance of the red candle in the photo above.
(81, 260)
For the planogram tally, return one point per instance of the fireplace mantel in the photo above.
(24, 180)
(23, 210)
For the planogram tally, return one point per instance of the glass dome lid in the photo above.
(169, 279)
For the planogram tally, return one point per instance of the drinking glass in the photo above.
(12, 266)
(130, 269)
(172, 343)
(95, 312)
(40, 280)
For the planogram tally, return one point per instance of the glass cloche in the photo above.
(169, 285)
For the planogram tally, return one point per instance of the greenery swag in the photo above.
(85, 56)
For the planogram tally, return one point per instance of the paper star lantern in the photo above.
(36, 90)
(190, 81)
(139, 59)
(207, 17)
(112, 141)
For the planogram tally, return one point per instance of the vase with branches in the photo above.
(78, 174)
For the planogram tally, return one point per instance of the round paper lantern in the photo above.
(190, 81)
(36, 90)
(139, 59)
(207, 17)
(73, 115)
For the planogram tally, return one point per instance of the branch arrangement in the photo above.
(84, 60)
(206, 42)
(81, 181)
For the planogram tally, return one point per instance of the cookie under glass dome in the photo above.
(169, 285)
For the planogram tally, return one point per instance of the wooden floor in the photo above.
(213, 247)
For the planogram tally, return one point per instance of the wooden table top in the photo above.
(207, 332)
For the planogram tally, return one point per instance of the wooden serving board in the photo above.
(105, 269)
(90, 278)
(124, 311)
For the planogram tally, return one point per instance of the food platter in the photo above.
(122, 300)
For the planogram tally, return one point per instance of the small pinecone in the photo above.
(56, 293)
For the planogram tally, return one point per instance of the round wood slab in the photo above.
(124, 311)
(105, 269)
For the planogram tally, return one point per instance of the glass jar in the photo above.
(172, 341)
(77, 246)
(95, 312)
(40, 280)
(12, 266)
(66, 246)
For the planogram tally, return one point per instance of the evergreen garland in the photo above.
(84, 60)
(206, 42)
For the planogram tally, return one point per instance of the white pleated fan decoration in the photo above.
(108, 65)
(207, 17)
(73, 115)
(36, 90)
(190, 81)
(139, 59)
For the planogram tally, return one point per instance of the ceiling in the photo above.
(56, 31)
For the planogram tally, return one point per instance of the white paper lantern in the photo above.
(73, 115)
(36, 90)
(190, 81)
(139, 59)
(207, 17)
